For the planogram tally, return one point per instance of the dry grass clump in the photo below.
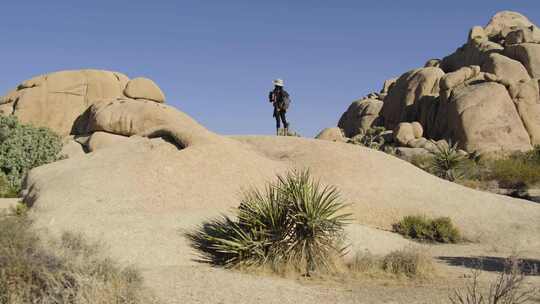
(508, 288)
(294, 223)
(421, 228)
(411, 263)
(66, 270)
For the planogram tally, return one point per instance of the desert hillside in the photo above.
(139, 173)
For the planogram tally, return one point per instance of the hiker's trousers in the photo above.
(280, 116)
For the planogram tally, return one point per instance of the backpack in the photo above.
(284, 101)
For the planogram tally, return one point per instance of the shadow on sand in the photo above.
(493, 264)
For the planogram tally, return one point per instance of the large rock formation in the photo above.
(484, 96)
(59, 99)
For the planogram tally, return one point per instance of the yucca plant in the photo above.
(293, 222)
(447, 162)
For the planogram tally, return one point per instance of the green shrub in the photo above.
(514, 171)
(6, 189)
(422, 161)
(69, 270)
(448, 163)
(372, 138)
(295, 222)
(440, 230)
(23, 147)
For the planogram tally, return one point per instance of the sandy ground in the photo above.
(140, 198)
(7, 203)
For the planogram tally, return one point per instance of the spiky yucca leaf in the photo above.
(447, 162)
(224, 242)
(318, 220)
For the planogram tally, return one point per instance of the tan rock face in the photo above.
(483, 118)
(477, 35)
(361, 115)
(417, 129)
(404, 133)
(526, 96)
(400, 103)
(505, 20)
(435, 63)
(102, 140)
(144, 88)
(56, 100)
(505, 68)
(458, 77)
(332, 134)
(528, 54)
(146, 118)
(523, 35)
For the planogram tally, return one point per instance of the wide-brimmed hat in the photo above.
(278, 82)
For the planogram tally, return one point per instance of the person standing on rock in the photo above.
(280, 100)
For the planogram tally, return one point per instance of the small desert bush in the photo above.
(409, 263)
(68, 270)
(508, 288)
(23, 147)
(421, 228)
(6, 189)
(448, 163)
(514, 171)
(294, 223)
(372, 138)
(288, 132)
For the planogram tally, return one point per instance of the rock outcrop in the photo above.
(484, 96)
(58, 100)
(332, 134)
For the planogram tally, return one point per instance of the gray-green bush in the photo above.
(372, 138)
(421, 228)
(23, 147)
(294, 222)
(6, 189)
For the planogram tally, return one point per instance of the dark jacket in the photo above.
(276, 97)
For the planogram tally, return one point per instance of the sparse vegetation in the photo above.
(23, 147)
(6, 189)
(69, 270)
(412, 263)
(508, 288)
(288, 132)
(294, 223)
(375, 138)
(519, 169)
(448, 162)
(409, 262)
(421, 228)
(372, 138)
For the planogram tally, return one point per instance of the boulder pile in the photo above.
(93, 109)
(485, 96)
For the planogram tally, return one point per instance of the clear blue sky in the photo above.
(215, 60)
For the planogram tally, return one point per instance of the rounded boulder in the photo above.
(144, 88)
